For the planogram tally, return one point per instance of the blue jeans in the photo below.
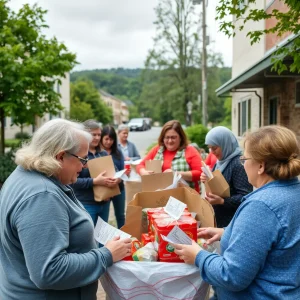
(119, 206)
(101, 210)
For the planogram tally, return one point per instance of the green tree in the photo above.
(30, 66)
(287, 22)
(85, 96)
(176, 46)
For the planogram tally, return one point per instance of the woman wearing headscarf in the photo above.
(224, 145)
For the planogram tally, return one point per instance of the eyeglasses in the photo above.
(243, 159)
(82, 160)
(173, 138)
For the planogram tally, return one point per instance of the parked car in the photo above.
(148, 122)
(138, 124)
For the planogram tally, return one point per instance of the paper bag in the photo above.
(149, 183)
(154, 165)
(133, 223)
(156, 181)
(218, 185)
(98, 165)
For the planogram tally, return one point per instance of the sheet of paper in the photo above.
(136, 162)
(206, 170)
(104, 232)
(174, 208)
(177, 236)
(120, 173)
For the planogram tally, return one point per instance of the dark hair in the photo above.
(110, 131)
(175, 125)
(278, 148)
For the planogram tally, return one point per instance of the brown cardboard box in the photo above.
(157, 181)
(133, 223)
(218, 185)
(131, 188)
(149, 183)
(154, 165)
(98, 165)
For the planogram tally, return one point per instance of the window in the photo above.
(244, 116)
(273, 110)
(297, 96)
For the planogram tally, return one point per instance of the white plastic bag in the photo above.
(153, 281)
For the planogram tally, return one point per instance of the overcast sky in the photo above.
(113, 33)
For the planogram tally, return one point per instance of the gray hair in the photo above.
(122, 127)
(51, 138)
(91, 124)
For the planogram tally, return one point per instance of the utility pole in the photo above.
(204, 62)
(204, 69)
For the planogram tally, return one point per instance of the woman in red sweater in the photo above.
(176, 155)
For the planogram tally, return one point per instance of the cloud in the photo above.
(111, 33)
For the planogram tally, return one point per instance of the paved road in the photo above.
(142, 140)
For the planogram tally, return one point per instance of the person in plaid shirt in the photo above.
(175, 153)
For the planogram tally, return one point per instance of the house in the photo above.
(64, 90)
(259, 95)
(119, 107)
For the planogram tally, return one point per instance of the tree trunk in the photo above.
(2, 138)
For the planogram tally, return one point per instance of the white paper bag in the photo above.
(153, 280)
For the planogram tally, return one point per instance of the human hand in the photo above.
(145, 172)
(187, 253)
(119, 248)
(211, 234)
(214, 199)
(167, 171)
(105, 181)
(100, 179)
(127, 158)
(203, 177)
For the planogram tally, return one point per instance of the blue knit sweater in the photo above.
(260, 248)
(47, 245)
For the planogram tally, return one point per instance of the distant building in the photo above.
(64, 90)
(259, 95)
(119, 107)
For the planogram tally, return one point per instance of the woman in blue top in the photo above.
(109, 143)
(260, 247)
(83, 187)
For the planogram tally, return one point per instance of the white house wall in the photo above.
(244, 57)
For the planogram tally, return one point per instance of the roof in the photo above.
(256, 76)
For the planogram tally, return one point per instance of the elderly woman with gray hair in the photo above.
(128, 149)
(47, 248)
(224, 145)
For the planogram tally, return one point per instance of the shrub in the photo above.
(7, 165)
(22, 136)
(13, 143)
(196, 134)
